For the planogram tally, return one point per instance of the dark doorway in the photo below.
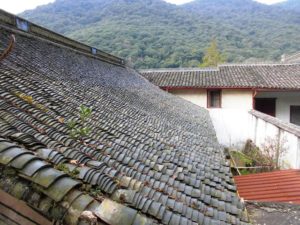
(295, 114)
(266, 105)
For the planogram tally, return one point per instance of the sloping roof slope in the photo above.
(151, 158)
(268, 76)
(295, 58)
(278, 186)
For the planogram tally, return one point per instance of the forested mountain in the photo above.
(153, 33)
(293, 5)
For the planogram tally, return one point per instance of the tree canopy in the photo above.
(154, 34)
(213, 57)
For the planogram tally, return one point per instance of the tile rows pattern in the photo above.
(268, 76)
(277, 186)
(151, 158)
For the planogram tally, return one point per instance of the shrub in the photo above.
(78, 128)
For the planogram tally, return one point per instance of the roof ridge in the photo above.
(214, 68)
(26, 27)
(258, 64)
(178, 69)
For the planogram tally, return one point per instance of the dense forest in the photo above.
(153, 33)
(293, 5)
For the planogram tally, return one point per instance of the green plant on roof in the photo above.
(85, 112)
(62, 167)
(78, 128)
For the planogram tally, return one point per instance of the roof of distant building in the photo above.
(251, 76)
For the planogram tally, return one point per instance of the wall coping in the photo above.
(289, 127)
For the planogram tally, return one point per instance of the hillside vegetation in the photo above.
(153, 33)
(293, 5)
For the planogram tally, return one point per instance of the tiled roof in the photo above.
(150, 159)
(259, 76)
(278, 186)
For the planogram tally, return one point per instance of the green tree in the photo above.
(212, 56)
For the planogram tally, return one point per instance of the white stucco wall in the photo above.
(231, 99)
(263, 132)
(237, 99)
(283, 102)
(234, 125)
(196, 96)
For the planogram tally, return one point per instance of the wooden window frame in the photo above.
(209, 99)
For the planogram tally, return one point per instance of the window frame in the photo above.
(209, 106)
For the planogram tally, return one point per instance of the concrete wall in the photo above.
(196, 96)
(266, 133)
(283, 102)
(237, 99)
(231, 99)
(235, 126)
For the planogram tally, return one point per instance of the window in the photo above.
(94, 51)
(266, 106)
(22, 24)
(214, 99)
(295, 114)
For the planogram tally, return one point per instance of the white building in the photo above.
(234, 94)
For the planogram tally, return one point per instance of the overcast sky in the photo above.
(17, 6)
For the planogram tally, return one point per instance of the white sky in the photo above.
(17, 6)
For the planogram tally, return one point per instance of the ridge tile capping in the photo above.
(34, 29)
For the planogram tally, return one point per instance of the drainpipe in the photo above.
(254, 93)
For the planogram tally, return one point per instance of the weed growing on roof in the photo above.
(97, 193)
(62, 167)
(78, 128)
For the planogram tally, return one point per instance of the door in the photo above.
(295, 114)
(266, 105)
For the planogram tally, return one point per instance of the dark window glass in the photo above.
(295, 115)
(214, 99)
